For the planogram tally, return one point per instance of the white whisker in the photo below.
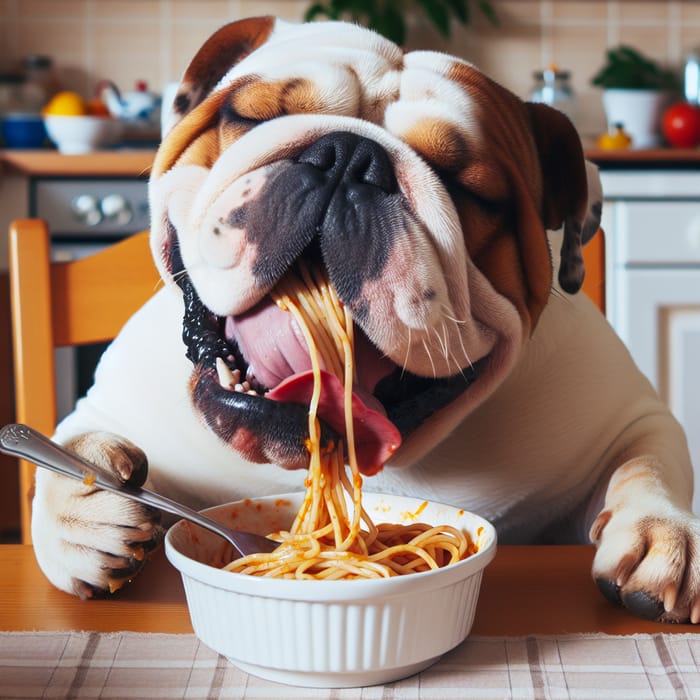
(178, 275)
(450, 357)
(449, 317)
(446, 337)
(464, 351)
(408, 347)
(430, 358)
(442, 342)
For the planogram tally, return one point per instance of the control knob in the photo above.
(116, 208)
(86, 209)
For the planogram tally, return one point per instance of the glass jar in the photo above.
(552, 87)
(11, 85)
(691, 78)
(40, 83)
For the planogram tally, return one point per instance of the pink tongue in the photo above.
(376, 437)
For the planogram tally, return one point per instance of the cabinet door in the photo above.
(658, 317)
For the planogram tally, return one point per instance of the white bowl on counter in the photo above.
(82, 134)
(328, 633)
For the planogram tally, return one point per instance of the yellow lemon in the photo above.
(614, 138)
(66, 104)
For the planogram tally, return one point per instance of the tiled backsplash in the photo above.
(153, 40)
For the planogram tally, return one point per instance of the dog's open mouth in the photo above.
(253, 381)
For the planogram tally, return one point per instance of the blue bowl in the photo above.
(23, 131)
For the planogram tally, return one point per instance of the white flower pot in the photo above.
(639, 112)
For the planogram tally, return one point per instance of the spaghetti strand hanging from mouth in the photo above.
(327, 539)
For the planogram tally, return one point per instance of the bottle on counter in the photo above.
(40, 82)
(11, 87)
(552, 86)
(691, 78)
(20, 125)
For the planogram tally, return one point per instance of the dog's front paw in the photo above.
(90, 542)
(650, 564)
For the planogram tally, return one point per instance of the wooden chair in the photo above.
(594, 260)
(63, 304)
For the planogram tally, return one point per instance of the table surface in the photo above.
(526, 590)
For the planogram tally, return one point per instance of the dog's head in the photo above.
(422, 186)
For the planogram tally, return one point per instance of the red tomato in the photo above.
(681, 125)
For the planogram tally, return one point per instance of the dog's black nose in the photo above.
(339, 198)
(350, 160)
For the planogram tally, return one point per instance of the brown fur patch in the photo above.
(506, 171)
(262, 100)
(439, 143)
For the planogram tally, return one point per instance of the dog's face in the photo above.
(424, 189)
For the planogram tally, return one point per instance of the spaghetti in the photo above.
(327, 539)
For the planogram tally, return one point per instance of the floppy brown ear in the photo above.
(565, 186)
(223, 50)
(226, 47)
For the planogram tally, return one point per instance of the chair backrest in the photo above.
(594, 261)
(58, 304)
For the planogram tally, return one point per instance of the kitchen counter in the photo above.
(136, 162)
(648, 159)
(127, 162)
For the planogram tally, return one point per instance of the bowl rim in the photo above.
(56, 118)
(333, 591)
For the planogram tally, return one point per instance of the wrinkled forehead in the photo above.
(303, 49)
(323, 55)
(434, 103)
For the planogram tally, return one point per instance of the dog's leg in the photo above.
(648, 556)
(87, 541)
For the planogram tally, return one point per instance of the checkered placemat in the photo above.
(130, 665)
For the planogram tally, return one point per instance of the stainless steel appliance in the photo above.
(85, 215)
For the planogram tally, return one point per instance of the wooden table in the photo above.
(542, 629)
(525, 591)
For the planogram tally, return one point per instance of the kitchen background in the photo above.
(153, 40)
(127, 41)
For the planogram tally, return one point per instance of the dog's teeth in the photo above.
(231, 379)
(226, 377)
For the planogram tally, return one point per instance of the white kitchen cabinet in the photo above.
(652, 225)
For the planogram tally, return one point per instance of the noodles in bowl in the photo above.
(326, 539)
(318, 633)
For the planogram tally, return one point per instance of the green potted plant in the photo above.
(636, 90)
(388, 16)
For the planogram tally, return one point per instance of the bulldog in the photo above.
(450, 216)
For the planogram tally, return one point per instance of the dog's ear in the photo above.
(572, 195)
(223, 50)
(220, 53)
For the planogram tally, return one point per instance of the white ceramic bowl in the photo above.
(328, 633)
(82, 134)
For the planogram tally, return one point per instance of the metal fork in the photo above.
(20, 440)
